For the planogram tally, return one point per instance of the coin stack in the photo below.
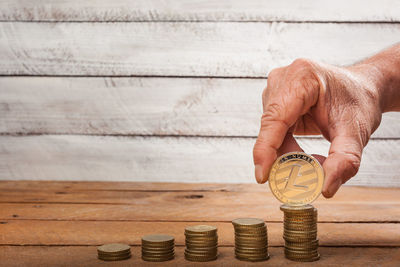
(158, 247)
(114, 252)
(201, 243)
(251, 239)
(300, 232)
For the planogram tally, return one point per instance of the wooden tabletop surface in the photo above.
(44, 223)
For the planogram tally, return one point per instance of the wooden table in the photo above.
(61, 223)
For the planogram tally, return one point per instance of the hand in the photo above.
(309, 98)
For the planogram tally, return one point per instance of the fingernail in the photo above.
(259, 173)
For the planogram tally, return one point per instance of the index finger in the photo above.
(284, 103)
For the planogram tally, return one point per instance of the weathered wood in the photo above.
(347, 193)
(68, 186)
(139, 106)
(33, 256)
(47, 204)
(182, 49)
(204, 10)
(194, 210)
(64, 157)
(151, 192)
(33, 232)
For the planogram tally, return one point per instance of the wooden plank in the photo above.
(347, 193)
(225, 160)
(182, 49)
(33, 256)
(17, 192)
(139, 106)
(219, 206)
(202, 10)
(47, 202)
(68, 186)
(33, 232)
(186, 211)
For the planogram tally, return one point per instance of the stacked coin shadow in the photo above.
(300, 232)
(251, 239)
(201, 243)
(158, 248)
(114, 252)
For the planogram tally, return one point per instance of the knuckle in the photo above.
(273, 73)
(352, 161)
(272, 112)
(301, 63)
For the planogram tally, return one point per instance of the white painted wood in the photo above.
(182, 49)
(225, 160)
(139, 106)
(200, 10)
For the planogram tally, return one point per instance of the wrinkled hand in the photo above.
(309, 98)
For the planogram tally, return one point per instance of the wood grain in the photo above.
(201, 10)
(174, 159)
(30, 232)
(42, 201)
(139, 106)
(43, 256)
(75, 186)
(182, 49)
(347, 193)
(192, 210)
(33, 256)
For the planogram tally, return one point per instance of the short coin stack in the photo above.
(201, 243)
(114, 252)
(300, 232)
(158, 247)
(251, 239)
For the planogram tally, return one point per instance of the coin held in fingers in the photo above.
(296, 178)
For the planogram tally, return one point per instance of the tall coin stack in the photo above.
(158, 247)
(251, 239)
(300, 232)
(114, 252)
(201, 243)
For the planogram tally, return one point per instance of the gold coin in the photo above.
(252, 258)
(252, 251)
(251, 239)
(200, 259)
(202, 252)
(254, 233)
(202, 238)
(201, 230)
(113, 248)
(296, 178)
(201, 244)
(114, 258)
(114, 254)
(157, 259)
(260, 235)
(251, 242)
(301, 255)
(157, 239)
(303, 209)
(248, 222)
(158, 255)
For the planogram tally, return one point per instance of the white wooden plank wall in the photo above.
(157, 90)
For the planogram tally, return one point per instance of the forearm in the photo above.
(383, 71)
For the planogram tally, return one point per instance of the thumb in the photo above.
(342, 163)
